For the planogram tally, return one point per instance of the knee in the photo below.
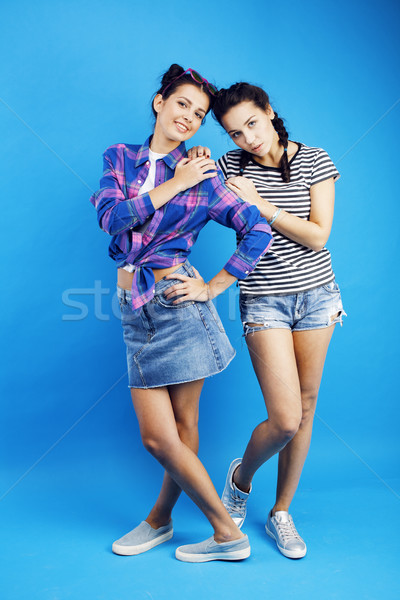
(309, 402)
(188, 427)
(287, 426)
(158, 446)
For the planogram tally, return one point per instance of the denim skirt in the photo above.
(168, 343)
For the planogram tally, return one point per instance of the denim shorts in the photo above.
(314, 309)
(170, 343)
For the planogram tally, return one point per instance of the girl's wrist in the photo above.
(269, 210)
(179, 186)
(274, 217)
(210, 294)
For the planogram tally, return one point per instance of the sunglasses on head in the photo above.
(197, 78)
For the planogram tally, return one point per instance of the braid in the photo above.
(244, 159)
(280, 129)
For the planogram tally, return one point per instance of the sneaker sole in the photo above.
(197, 558)
(133, 550)
(287, 553)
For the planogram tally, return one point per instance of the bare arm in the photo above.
(313, 233)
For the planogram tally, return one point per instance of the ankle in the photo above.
(279, 507)
(222, 536)
(156, 520)
(243, 487)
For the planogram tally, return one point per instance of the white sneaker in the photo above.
(142, 538)
(210, 550)
(234, 499)
(281, 528)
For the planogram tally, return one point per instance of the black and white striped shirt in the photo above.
(288, 267)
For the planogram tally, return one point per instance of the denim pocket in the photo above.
(245, 300)
(124, 298)
(332, 287)
(162, 301)
(215, 315)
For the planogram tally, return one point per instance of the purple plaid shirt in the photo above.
(149, 238)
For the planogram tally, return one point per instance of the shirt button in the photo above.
(246, 272)
(139, 181)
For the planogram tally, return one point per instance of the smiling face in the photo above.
(250, 127)
(178, 117)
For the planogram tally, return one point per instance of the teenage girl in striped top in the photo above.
(290, 303)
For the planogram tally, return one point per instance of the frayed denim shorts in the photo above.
(314, 309)
(168, 343)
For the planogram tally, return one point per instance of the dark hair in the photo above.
(242, 92)
(173, 78)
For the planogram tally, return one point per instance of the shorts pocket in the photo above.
(245, 300)
(331, 287)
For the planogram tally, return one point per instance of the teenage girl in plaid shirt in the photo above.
(173, 335)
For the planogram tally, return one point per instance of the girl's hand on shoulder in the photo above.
(190, 172)
(244, 188)
(199, 152)
(191, 288)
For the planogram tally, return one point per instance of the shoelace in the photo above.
(287, 530)
(236, 503)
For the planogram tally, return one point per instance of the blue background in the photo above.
(77, 77)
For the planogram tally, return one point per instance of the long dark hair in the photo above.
(245, 92)
(173, 78)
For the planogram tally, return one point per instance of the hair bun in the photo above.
(173, 72)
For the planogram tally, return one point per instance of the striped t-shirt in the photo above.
(288, 267)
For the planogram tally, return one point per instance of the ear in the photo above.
(270, 112)
(158, 102)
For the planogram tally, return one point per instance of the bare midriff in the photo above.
(125, 278)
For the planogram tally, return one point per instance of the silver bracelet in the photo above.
(275, 216)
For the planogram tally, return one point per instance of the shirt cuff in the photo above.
(238, 267)
(142, 206)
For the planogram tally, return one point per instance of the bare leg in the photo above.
(185, 404)
(160, 437)
(310, 349)
(273, 357)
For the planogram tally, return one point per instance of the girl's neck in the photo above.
(160, 144)
(274, 155)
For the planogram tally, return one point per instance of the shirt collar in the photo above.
(170, 159)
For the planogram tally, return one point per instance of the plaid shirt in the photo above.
(149, 238)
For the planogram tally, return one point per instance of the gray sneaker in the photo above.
(142, 538)
(282, 529)
(210, 550)
(234, 499)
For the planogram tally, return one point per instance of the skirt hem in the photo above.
(143, 387)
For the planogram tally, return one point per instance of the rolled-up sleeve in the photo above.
(255, 236)
(115, 212)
